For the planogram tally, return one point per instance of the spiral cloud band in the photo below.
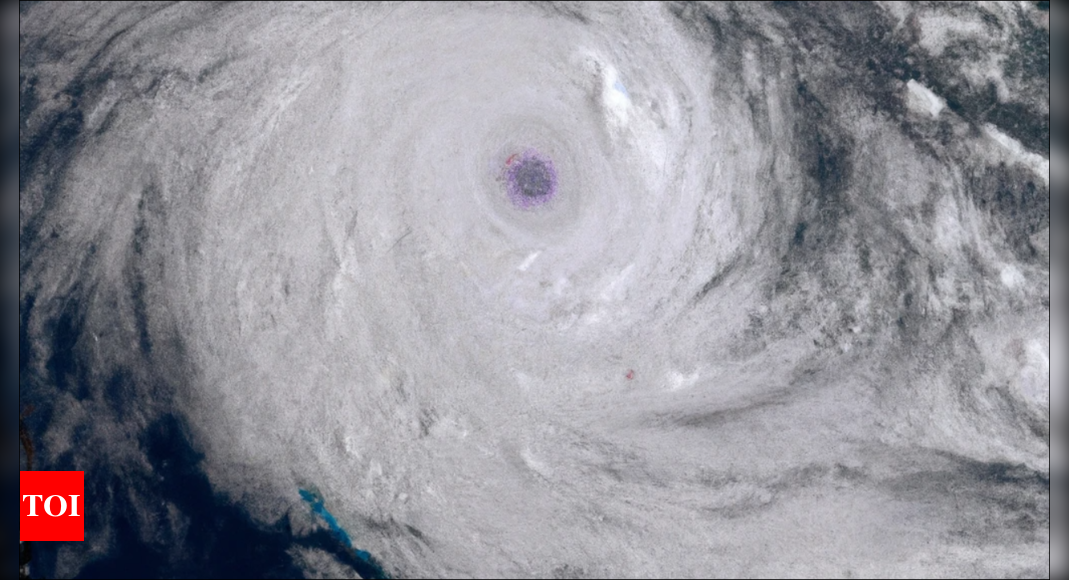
(539, 290)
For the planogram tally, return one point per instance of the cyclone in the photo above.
(536, 290)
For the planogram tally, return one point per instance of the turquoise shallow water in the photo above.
(314, 500)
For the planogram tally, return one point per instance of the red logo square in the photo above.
(52, 506)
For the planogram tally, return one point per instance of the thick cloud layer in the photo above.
(784, 310)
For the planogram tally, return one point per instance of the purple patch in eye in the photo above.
(531, 179)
